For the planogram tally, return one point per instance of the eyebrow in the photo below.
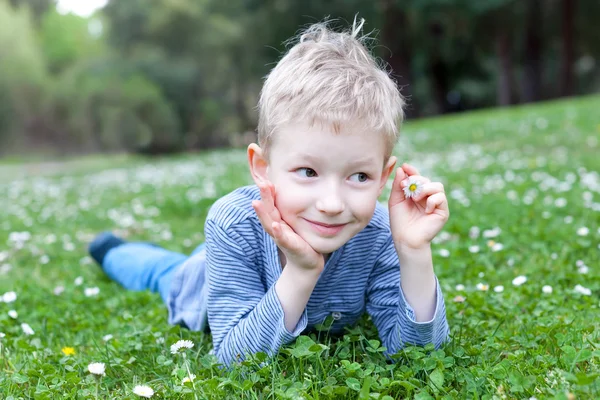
(316, 160)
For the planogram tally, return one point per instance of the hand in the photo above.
(296, 250)
(415, 221)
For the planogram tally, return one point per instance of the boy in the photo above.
(309, 240)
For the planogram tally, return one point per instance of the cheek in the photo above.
(289, 201)
(363, 206)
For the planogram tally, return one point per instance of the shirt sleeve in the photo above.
(391, 313)
(244, 316)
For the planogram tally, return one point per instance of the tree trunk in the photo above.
(532, 63)
(438, 70)
(568, 52)
(504, 87)
(395, 37)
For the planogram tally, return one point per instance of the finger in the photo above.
(267, 190)
(429, 189)
(266, 196)
(397, 194)
(263, 216)
(284, 238)
(410, 170)
(435, 202)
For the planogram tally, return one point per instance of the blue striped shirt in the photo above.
(241, 266)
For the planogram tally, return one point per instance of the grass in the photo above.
(529, 171)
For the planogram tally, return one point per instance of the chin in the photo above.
(326, 246)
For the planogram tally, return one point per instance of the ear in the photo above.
(258, 163)
(385, 174)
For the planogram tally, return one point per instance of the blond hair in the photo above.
(332, 78)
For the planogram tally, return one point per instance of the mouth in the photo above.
(326, 229)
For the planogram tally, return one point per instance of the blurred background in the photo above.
(164, 76)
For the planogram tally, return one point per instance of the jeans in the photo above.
(142, 266)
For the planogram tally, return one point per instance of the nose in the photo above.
(331, 202)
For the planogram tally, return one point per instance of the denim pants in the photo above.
(142, 266)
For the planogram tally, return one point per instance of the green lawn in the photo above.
(524, 193)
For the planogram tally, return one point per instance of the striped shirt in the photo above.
(241, 265)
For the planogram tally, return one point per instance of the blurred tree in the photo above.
(165, 75)
(22, 79)
(568, 47)
(37, 7)
(66, 40)
(532, 52)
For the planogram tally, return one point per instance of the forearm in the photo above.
(418, 280)
(293, 288)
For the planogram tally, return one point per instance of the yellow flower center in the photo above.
(412, 187)
(69, 351)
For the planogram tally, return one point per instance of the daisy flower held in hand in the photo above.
(181, 346)
(143, 391)
(413, 187)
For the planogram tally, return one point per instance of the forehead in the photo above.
(347, 141)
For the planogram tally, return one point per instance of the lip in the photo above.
(326, 229)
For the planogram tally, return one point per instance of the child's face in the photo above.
(327, 183)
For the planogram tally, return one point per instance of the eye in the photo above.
(306, 172)
(359, 177)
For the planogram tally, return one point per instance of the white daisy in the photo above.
(13, 314)
(583, 290)
(413, 188)
(460, 287)
(181, 344)
(2, 335)
(459, 299)
(499, 289)
(90, 292)
(58, 290)
(106, 338)
(444, 253)
(188, 378)
(9, 297)
(583, 269)
(583, 231)
(78, 281)
(497, 247)
(492, 233)
(547, 289)
(482, 287)
(97, 369)
(474, 249)
(519, 280)
(143, 391)
(27, 329)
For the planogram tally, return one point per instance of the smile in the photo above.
(326, 229)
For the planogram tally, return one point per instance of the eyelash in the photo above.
(367, 177)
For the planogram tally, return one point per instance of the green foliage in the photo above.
(119, 109)
(22, 75)
(65, 41)
(202, 63)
